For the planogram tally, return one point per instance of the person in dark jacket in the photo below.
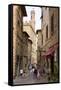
(35, 72)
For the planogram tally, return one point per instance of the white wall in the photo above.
(4, 44)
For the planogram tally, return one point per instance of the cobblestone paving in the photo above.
(30, 79)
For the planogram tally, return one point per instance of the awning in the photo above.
(50, 50)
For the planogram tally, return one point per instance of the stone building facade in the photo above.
(29, 51)
(18, 13)
(39, 38)
(50, 41)
(25, 52)
(29, 27)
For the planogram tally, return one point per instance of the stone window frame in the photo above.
(52, 24)
(42, 39)
(46, 32)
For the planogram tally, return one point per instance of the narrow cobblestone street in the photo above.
(30, 79)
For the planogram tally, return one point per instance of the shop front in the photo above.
(51, 58)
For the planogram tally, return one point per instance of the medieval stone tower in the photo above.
(33, 19)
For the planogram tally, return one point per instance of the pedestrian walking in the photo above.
(21, 72)
(38, 74)
(35, 73)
